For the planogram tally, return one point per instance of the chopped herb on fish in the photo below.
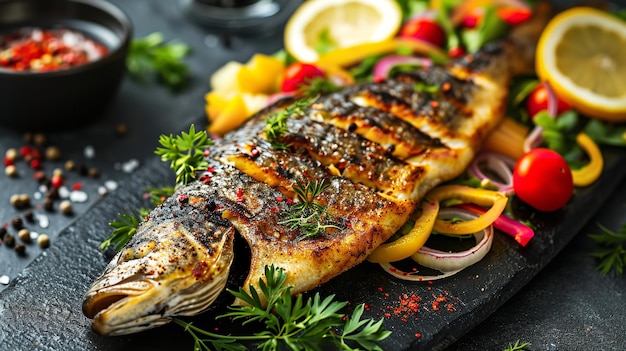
(291, 322)
(306, 215)
(158, 195)
(318, 86)
(185, 153)
(276, 123)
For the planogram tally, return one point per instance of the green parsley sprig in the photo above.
(291, 322)
(150, 55)
(307, 215)
(185, 153)
(611, 253)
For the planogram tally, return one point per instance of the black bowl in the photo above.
(70, 97)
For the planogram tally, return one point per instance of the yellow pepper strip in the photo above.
(348, 56)
(411, 242)
(495, 200)
(592, 170)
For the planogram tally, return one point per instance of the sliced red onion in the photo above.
(278, 96)
(448, 263)
(384, 65)
(553, 102)
(498, 164)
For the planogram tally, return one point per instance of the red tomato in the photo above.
(537, 101)
(542, 179)
(299, 74)
(513, 15)
(424, 29)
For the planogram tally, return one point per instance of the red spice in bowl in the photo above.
(40, 50)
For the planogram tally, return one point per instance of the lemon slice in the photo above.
(582, 54)
(340, 23)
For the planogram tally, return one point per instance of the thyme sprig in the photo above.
(307, 215)
(276, 123)
(611, 254)
(185, 153)
(291, 322)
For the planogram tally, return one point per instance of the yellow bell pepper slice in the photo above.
(495, 200)
(591, 171)
(411, 242)
(348, 56)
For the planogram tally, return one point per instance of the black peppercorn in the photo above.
(17, 222)
(29, 215)
(9, 239)
(48, 204)
(20, 249)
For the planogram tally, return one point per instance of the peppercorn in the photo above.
(20, 249)
(53, 153)
(11, 171)
(56, 181)
(94, 173)
(70, 165)
(29, 215)
(40, 176)
(24, 235)
(3, 231)
(121, 129)
(11, 154)
(66, 207)
(52, 193)
(43, 240)
(39, 139)
(48, 204)
(17, 222)
(9, 239)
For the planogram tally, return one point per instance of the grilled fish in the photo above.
(378, 148)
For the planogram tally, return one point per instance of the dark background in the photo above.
(569, 305)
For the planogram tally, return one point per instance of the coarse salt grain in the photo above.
(78, 196)
(4, 279)
(128, 166)
(110, 185)
(42, 220)
(64, 192)
(89, 151)
(102, 190)
(33, 235)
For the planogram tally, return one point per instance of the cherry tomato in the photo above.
(513, 15)
(542, 179)
(299, 74)
(537, 101)
(424, 29)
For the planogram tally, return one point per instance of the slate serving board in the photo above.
(41, 309)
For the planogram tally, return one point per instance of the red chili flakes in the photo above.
(77, 186)
(205, 179)
(56, 181)
(7, 161)
(239, 195)
(183, 198)
(434, 103)
(418, 335)
(210, 169)
(35, 164)
(199, 270)
(279, 198)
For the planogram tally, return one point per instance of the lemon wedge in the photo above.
(582, 54)
(339, 24)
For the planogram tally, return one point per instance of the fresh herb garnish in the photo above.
(306, 215)
(123, 230)
(158, 195)
(290, 321)
(559, 134)
(185, 153)
(276, 123)
(151, 55)
(429, 89)
(606, 133)
(611, 254)
(491, 27)
(318, 86)
(517, 346)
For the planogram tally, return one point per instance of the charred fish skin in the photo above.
(379, 148)
(184, 246)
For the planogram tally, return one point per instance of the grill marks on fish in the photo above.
(379, 146)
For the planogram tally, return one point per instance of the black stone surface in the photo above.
(556, 301)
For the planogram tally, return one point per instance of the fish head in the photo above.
(164, 271)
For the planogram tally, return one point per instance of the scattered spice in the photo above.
(66, 207)
(17, 222)
(20, 249)
(11, 171)
(8, 239)
(24, 235)
(43, 241)
(53, 153)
